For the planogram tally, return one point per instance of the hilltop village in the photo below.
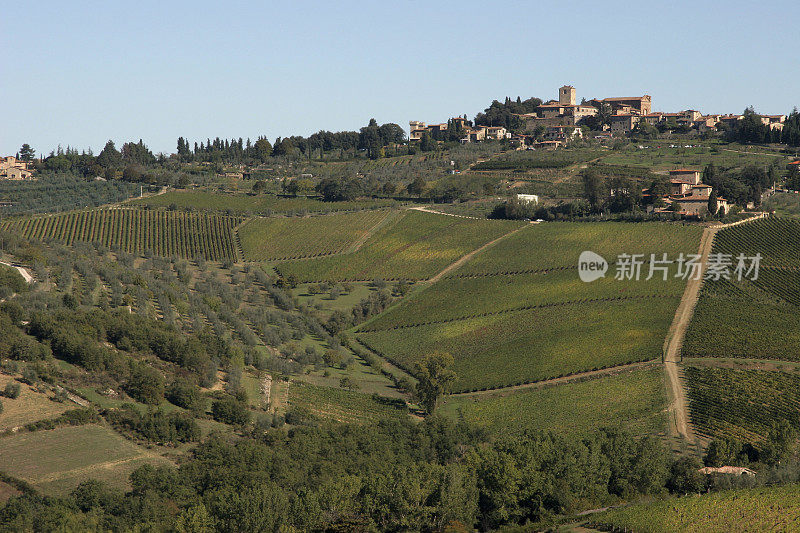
(555, 123)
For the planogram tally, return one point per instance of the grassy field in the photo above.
(634, 400)
(524, 346)
(558, 245)
(55, 461)
(415, 247)
(164, 233)
(744, 510)
(30, 406)
(247, 204)
(340, 404)
(271, 239)
(741, 403)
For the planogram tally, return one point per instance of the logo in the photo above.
(591, 266)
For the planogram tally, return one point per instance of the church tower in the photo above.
(566, 95)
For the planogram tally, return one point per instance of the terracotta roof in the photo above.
(683, 170)
(624, 98)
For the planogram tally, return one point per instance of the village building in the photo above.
(690, 195)
(14, 169)
(623, 123)
(564, 134)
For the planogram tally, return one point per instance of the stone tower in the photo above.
(566, 95)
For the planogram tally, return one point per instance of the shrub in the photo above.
(230, 411)
(12, 391)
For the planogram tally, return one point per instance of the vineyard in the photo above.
(741, 404)
(459, 298)
(724, 326)
(518, 312)
(136, 231)
(342, 405)
(243, 204)
(524, 346)
(558, 245)
(416, 247)
(743, 510)
(752, 319)
(265, 239)
(776, 239)
(634, 399)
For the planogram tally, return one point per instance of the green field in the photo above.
(776, 239)
(417, 246)
(243, 204)
(741, 403)
(752, 319)
(339, 404)
(558, 245)
(634, 400)
(164, 233)
(55, 461)
(271, 239)
(523, 346)
(744, 510)
(458, 298)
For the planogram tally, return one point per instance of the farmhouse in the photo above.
(12, 168)
(691, 195)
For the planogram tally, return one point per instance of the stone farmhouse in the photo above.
(12, 168)
(688, 196)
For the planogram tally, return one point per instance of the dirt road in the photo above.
(678, 415)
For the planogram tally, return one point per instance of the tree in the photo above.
(426, 143)
(685, 477)
(435, 378)
(230, 411)
(109, 157)
(713, 205)
(416, 187)
(263, 149)
(593, 187)
(146, 384)
(26, 153)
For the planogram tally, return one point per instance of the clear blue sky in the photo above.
(81, 74)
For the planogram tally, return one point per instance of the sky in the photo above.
(79, 75)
